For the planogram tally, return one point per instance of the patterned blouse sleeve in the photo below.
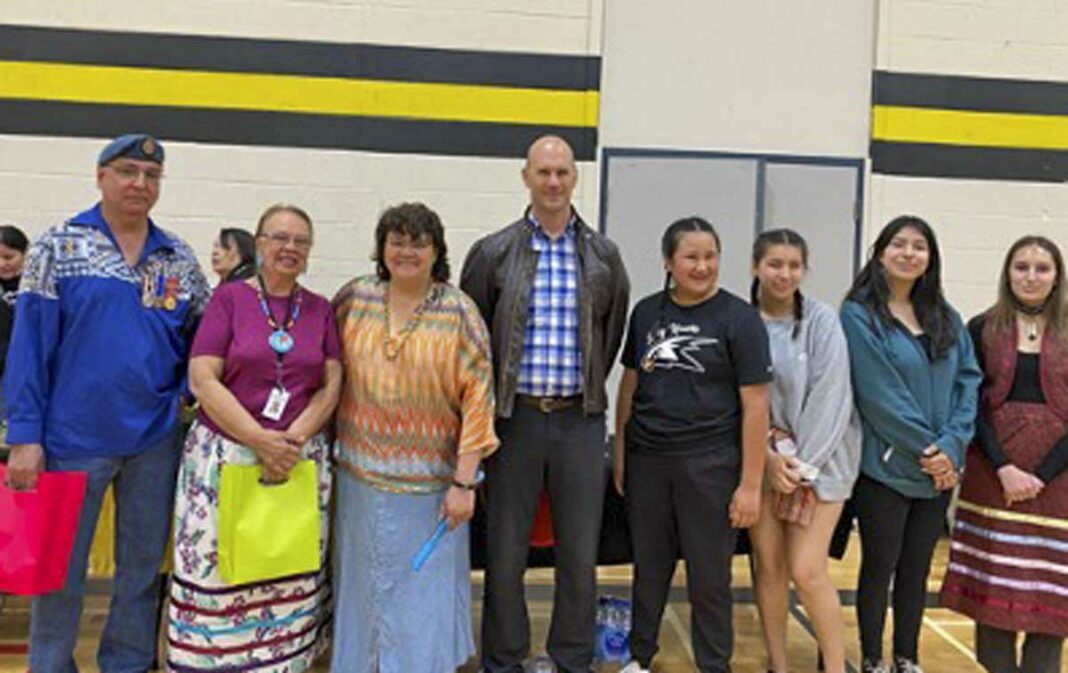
(331, 343)
(341, 302)
(475, 371)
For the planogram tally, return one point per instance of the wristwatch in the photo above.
(466, 485)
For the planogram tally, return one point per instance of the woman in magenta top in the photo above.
(265, 368)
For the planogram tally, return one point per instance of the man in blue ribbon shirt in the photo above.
(106, 313)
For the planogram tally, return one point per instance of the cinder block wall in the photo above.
(1012, 43)
(738, 75)
(44, 179)
(764, 76)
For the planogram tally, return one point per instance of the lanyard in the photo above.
(280, 341)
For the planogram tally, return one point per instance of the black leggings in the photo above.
(897, 538)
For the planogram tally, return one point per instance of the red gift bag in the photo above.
(37, 530)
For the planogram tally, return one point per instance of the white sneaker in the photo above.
(903, 665)
(539, 665)
(633, 667)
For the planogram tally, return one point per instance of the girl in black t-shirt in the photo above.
(691, 424)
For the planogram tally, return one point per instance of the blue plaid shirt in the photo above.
(551, 365)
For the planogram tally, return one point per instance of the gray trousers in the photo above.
(564, 452)
(996, 650)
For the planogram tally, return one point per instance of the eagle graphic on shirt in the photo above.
(675, 347)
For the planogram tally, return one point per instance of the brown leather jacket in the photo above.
(499, 274)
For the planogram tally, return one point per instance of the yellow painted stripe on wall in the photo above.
(979, 129)
(298, 94)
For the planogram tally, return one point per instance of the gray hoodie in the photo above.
(812, 399)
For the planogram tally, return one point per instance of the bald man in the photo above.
(554, 294)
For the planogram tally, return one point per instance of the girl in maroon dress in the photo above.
(1008, 566)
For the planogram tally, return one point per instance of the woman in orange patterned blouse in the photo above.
(415, 420)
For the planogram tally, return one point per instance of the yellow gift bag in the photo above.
(268, 531)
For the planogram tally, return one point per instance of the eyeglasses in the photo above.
(282, 240)
(417, 245)
(129, 173)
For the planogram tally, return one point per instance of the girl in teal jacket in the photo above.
(915, 382)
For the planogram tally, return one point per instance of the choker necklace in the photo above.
(1032, 312)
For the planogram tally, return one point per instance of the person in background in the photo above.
(107, 308)
(691, 433)
(915, 382)
(1011, 531)
(263, 340)
(233, 255)
(415, 422)
(13, 244)
(813, 451)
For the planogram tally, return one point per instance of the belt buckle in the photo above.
(546, 405)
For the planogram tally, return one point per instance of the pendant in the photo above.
(1032, 332)
(280, 341)
(392, 348)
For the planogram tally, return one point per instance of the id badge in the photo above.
(276, 404)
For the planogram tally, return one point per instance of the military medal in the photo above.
(151, 285)
(170, 293)
(148, 291)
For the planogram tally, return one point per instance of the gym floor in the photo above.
(946, 642)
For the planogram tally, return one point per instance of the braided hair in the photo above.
(761, 245)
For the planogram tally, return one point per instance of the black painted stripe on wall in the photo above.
(970, 93)
(285, 129)
(323, 59)
(983, 163)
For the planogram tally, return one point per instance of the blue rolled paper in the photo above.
(430, 545)
(420, 558)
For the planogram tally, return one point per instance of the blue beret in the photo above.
(134, 146)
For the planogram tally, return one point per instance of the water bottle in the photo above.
(613, 627)
(615, 645)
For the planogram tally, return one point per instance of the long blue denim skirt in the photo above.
(386, 614)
